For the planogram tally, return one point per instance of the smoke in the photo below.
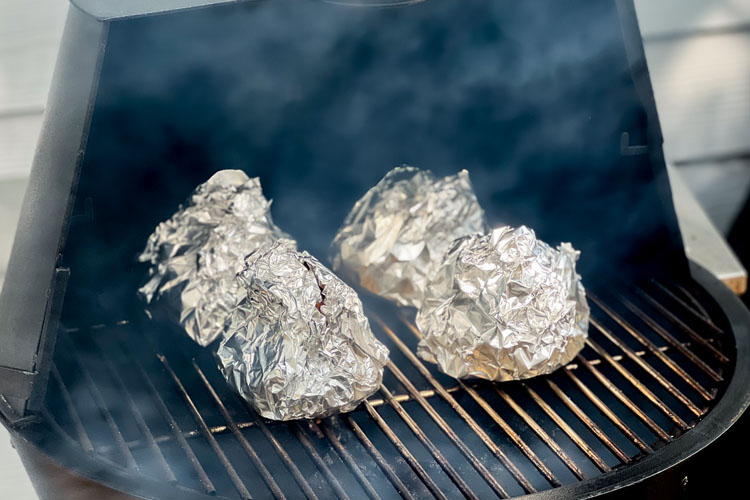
(320, 100)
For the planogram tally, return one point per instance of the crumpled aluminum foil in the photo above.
(395, 236)
(504, 306)
(196, 254)
(299, 344)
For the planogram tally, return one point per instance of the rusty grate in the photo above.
(653, 366)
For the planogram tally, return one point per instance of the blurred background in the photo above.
(698, 53)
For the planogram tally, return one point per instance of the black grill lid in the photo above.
(547, 104)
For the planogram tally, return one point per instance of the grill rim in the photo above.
(733, 403)
(36, 431)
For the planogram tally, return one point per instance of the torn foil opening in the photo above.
(299, 344)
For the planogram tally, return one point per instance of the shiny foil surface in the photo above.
(299, 344)
(395, 236)
(503, 306)
(196, 254)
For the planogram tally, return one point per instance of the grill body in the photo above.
(162, 434)
(101, 399)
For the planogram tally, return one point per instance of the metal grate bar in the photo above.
(104, 410)
(480, 468)
(639, 384)
(590, 424)
(401, 398)
(534, 426)
(568, 430)
(606, 410)
(617, 357)
(239, 485)
(302, 437)
(349, 461)
(221, 429)
(137, 415)
(674, 391)
(49, 418)
(215, 430)
(404, 451)
(83, 437)
(281, 452)
(434, 451)
(513, 435)
(701, 316)
(203, 478)
(617, 392)
(698, 307)
(384, 466)
(487, 440)
(697, 361)
(249, 450)
(346, 440)
(685, 328)
(653, 348)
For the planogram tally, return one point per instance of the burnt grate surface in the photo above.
(140, 396)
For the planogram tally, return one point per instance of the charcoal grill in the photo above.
(560, 132)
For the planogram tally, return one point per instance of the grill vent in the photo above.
(653, 366)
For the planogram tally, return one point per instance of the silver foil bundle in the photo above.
(299, 344)
(395, 237)
(196, 254)
(504, 306)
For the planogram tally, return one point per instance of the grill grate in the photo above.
(652, 367)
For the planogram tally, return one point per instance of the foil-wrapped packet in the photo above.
(299, 344)
(395, 236)
(503, 306)
(196, 254)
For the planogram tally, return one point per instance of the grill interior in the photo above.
(550, 109)
(139, 395)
